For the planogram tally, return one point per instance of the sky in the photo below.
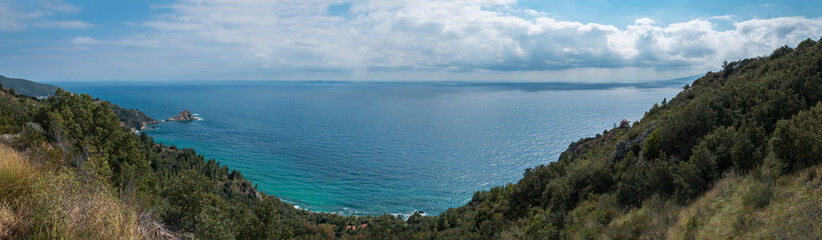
(397, 40)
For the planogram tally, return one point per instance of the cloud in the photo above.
(10, 19)
(83, 40)
(465, 35)
(67, 24)
(723, 17)
(14, 17)
(391, 39)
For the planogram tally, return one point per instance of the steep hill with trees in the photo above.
(28, 88)
(734, 154)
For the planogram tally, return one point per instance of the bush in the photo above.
(633, 187)
(651, 149)
(187, 197)
(696, 175)
(720, 143)
(680, 132)
(661, 177)
(797, 142)
(780, 52)
(758, 195)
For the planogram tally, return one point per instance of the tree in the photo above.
(187, 197)
(651, 149)
(696, 175)
(797, 141)
(633, 187)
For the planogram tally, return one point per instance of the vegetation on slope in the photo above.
(735, 154)
(28, 88)
(40, 200)
(757, 117)
(132, 118)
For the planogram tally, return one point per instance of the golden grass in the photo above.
(793, 209)
(16, 175)
(57, 205)
(651, 221)
(737, 207)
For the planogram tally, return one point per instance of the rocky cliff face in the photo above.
(185, 115)
(633, 145)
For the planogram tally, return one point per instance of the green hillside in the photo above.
(736, 154)
(131, 118)
(28, 88)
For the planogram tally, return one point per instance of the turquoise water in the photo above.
(374, 148)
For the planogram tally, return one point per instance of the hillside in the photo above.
(131, 118)
(26, 87)
(737, 153)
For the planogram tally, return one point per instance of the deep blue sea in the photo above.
(375, 148)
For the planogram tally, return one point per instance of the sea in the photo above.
(373, 148)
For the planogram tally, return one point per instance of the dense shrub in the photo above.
(757, 195)
(633, 186)
(798, 141)
(696, 175)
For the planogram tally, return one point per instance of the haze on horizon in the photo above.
(487, 40)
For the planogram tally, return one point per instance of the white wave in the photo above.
(405, 216)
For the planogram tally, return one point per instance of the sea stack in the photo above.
(185, 115)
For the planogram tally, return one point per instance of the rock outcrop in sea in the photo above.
(185, 115)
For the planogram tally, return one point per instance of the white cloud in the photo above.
(66, 24)
(723, 17)
(10, 19)
(15, 18)
(433, 39)
(437, 35)
(83, 40)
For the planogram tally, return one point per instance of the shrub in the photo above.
(633, 187)
(797, 142)
(757, 195)
(696, 175)
(661, 177)
(651, 149)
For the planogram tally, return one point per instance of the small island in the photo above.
(185, 115)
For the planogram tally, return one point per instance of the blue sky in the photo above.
(484, 40)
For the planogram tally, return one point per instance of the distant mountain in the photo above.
(28, 88)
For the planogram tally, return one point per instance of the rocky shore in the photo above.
(185, 115)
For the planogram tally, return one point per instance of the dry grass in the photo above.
(16, 179)
(651, 221)
(15, 174)
(749, 208)
(737, 207)
(46, 204)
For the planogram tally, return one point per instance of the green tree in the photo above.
(696, 175)
(797, 142)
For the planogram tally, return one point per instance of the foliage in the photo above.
(798, 141)
(734, 154)
(27, 88)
